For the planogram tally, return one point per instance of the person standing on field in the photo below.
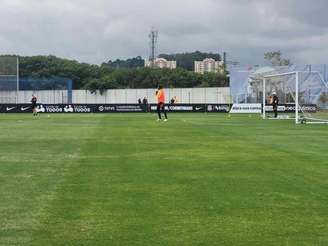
(160, 96)
(34, 106)
(174, 100)
(145, 104)
(275, 102)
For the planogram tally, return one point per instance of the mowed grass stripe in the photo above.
(36, 154)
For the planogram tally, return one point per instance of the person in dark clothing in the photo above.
(145, 104)
(34, 105)
(275, 102)
(174, 100)
(139, 101)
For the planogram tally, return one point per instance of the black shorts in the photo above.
(34, 106)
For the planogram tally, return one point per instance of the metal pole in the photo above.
(205, 100)
(296, 100)
(263, 91)
(17, 82)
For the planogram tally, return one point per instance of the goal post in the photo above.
(303, 96)
(284, 86)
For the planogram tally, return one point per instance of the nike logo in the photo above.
(23, 109)
(9, 109)
(198, 108)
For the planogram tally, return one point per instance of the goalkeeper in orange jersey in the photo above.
(160, 96)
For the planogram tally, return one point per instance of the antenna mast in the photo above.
(153, 37)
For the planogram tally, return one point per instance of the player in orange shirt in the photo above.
(160, 95)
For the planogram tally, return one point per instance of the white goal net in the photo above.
(303, 96)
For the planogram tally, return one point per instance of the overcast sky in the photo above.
(98, 30)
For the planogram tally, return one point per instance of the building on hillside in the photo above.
(161, 63)
(209, 65)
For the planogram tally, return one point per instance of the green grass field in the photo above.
(125, 179)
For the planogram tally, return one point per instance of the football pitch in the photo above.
(198, 179)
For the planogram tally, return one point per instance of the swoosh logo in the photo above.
(23, 109)
(9, 109)
(198, 108)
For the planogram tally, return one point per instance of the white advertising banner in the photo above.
(246, 108)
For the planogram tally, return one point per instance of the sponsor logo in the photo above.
(218, 108)
(10, 108)
(128, 108)
(246, 108)
(53, 109)
(224, 108)
(25, 108)
(290, 108)
(68, 109)
(181, 108)
(106, 108)
(309, 108)
(81, 109)
(198, 108)
(40, 109)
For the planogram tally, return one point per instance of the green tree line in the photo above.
(110, 76)
(184, 60)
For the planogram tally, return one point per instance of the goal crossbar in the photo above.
(279, 74)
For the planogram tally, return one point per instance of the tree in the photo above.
(52, 66)
(135, 62)
(276, 59)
